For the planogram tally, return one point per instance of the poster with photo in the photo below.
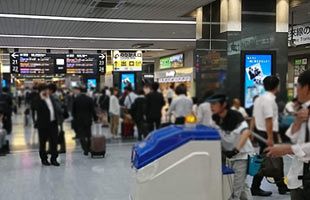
(126, 80)
(257, 67)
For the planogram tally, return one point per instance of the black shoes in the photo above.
(283, 190)
(260, 192)
(55, 163)
(85, 153)
(45, 163)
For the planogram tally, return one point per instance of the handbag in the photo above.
(271, 167)
(254, 164)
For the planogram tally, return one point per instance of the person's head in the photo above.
(43, 90)
(303, 87)
(181, 89)
(140, 92)
(155, 86)
(219, 103)
(52, 88)
(172, 87)
(83, 89)
(76, 90)
(147, 88)
(236, 103)
(129, 88)
(271, 84)
(115, 91)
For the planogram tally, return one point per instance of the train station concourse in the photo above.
(154, 99)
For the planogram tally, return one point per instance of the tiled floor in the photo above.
(78, 178)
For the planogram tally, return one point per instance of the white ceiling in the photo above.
(131, 9)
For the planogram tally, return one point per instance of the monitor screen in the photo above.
(127, 79)
(174, 61)
(91, 83)
(3, 82)
(256, 68)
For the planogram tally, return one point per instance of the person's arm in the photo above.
(269, 130)
(200, 114)
(243, 139)
(172, 107)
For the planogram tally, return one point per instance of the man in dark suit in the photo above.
(83, 111)
(47, 125)
(154, 104)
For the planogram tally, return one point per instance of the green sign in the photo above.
(298, 61)
(165, 63)
(175, 61)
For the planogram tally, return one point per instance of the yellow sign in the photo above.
(127, 61)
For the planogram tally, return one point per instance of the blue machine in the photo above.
(165, 140)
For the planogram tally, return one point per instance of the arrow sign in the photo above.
(102, 56)
(14, 55)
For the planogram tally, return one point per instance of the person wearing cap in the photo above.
(299, 173)
(236, 144)
(266, 124)
(47, 125)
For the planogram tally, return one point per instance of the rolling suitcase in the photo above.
(98, 142)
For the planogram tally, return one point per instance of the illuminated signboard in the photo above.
(85, 64)
(37, 63)
(127, 61)
(175, 61)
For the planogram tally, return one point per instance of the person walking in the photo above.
(236, 144)
(114, 112)
(104, 103)
(138, 113)
(46, 123)
(299, 173)
(182, 105)
(84, 113)
(265, 121)
(154, 104)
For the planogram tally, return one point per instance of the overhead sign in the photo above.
(127, 61)
(37, 63)
(175, 61)
(301, 34)
(86, 64)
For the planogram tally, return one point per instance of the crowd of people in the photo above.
(144, 108)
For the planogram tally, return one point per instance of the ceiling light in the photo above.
(101, 39)
(77, 49)
(102, 20)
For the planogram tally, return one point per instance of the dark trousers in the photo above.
(169, 101)
(49, 135)
(61, 138)
(258, 178)
(300, 194)
(84, 134)
(7, 124)
(180, 120)
(142, 127)
(152, 122)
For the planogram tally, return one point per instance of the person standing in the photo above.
(83, 112)
(60, 116)
(138, 113)
(34, 97)
(130, 98)
(204, 113)
(235, 141)
(170, 94)
(104, 103)
(114, 112)
(299, 173)
(46, 123)
(237, 106)
(154, 104)
(265, 121)
(182, 105)
(6, 104)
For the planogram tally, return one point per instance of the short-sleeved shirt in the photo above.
(265, 107)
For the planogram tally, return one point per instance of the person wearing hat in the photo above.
(236, 144)
(47, 125)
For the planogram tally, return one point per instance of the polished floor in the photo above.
(78, 178)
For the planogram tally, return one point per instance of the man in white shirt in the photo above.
(204, 113)
(170, 94)
(237, 106)
(114, 111)
(130, 98)
(298, 176)
(291, 107)
(265, 118)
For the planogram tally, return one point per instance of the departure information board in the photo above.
(42, 63)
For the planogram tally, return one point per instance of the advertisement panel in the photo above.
(175, 61)
(127, 79)
(127, 61)
(256, 68)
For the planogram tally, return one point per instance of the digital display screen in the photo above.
(174, 61)
(91, 83)
(257, 68)
(127, 79)
(81, 64)
(3, 82)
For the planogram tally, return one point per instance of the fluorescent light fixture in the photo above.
(78, 49)
(100, 39)
(103, 20)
